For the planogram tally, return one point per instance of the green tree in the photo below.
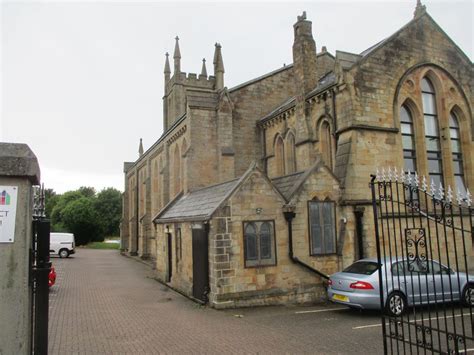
(57, 220)
(87, 191)
(80, 217)
(50, 200)
(109, 208)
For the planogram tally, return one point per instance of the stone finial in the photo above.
(177, 57)
(140, 148)
(324, 49)
(167, 64)
(204, 70)
(420, 9)
(302, 17)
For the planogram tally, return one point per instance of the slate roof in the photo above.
(198, 205)
(324, 82)
(285, 184)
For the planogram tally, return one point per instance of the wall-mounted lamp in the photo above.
(258, 210)
(344, 220)
(167, 229)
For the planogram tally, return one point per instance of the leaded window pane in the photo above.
(409, 164)
(432, 144)
(429, 104)
(460, 184)
(328, 217)
(431, 126)
(434, 166)
(322, 227)
(405, 116)
(455, 146)
(457, 167)
(316, 230)
(407, 142)
(265, 241)
(406, 128)
(426, 86)
(453, 122)
(436, 179)
(454, 133)
(250, 242)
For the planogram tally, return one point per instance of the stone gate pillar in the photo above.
(19, 170)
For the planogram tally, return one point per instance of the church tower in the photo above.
(178, 86)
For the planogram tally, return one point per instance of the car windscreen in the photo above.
(362, 267)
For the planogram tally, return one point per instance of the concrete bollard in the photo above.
(19, 171)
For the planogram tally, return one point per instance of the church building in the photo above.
(254, 194)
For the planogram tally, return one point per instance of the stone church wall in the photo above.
(233, 284)
(252, 102)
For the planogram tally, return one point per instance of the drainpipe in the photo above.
(289, 215)
(137, 217)
(359, 214)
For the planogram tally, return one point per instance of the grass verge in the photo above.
(102, 245)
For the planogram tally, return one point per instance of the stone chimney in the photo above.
(304, 55)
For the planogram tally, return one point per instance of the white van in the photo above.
(61, 244)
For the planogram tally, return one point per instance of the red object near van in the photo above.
(52, 277)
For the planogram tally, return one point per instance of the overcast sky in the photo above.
(82, 82)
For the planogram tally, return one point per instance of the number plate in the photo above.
(340, 298)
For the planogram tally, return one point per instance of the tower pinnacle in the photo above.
(177, 57)
(219, 67)
(140, 148)
(204, 70)
(167, 70)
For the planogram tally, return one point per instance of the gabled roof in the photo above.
(366, 53)
(290, 185)
(197, 205)
(200, 205)
(264, 76)
(284, 184)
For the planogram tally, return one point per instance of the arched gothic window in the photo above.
(280, 156)
(290, 154)
(326, 143)
(432, 139)
(456, 153)
(177, 170)
(408, 139)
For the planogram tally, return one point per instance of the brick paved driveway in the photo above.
(105, 303)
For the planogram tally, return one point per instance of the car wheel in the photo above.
(396, 304)
(63, 253)
(468, 295)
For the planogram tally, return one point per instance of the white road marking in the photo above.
(411, 321)
(467, 350)
(368, 326)
(320, 310)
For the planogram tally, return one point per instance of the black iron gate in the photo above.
(424, 240)
(40, 267)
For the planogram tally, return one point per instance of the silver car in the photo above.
(405, 283)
